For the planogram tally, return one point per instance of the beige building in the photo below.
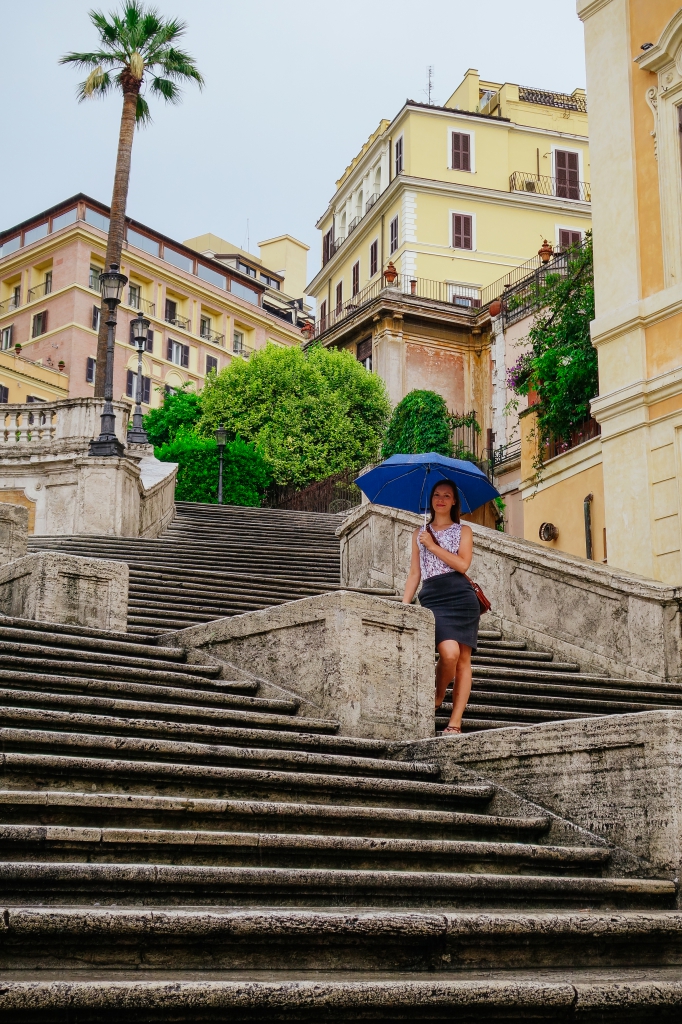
(205, 307)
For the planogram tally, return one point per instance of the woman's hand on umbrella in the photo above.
(427, 540)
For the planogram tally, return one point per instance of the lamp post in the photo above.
(111, 285)
(221, 438)
(140, 329)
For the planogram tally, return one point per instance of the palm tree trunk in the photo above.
(118, 214)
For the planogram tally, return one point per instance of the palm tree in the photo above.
(137, 55)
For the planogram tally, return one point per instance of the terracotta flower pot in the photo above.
(545, 252)
(17, 348)
(61, 364)
(495, 307)
(390, 274)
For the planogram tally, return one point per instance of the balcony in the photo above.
(40, 291)
(353, 224)
(442, 292)
(240, 349)
(13, 302)
(148, 308)
(543, 185)
(371, 201)
(208, 335)
(182, 322)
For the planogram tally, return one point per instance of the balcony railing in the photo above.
(371, 201)
(586, 431)
(39, 291)
(543, 185)
(353, 224)
(462, 296)
(527, 287)
(504, 455)
(13, 302)
(208, 335)
(240, 349)
(182, 322)
(144, 306)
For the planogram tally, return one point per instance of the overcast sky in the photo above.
(293, 90)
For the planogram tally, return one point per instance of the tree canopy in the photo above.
(181, 408)
(245, 473)
(420, 423)
(310, 413)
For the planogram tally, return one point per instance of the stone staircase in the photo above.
(176, 847)
(218, 561)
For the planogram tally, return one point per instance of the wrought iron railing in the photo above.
(13, 302)
(371, 201)
(586, 431)
(504, 455)
(335, 494)
(182, 322)
(543, 185)
(462, 296)
(525, 288)
(210, 335)
(39, 291)
(144, 306)
(353, 224)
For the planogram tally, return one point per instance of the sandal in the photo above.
(451, 729)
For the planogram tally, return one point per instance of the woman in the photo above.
(441, 554)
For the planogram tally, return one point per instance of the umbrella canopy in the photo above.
(406, 481)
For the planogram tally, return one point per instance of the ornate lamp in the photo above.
(111, 283)
(221, 439)
(139, 329)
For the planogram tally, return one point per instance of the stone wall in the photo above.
(608, 620)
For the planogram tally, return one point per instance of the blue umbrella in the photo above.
(406, 481)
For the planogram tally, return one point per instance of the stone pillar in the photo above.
(361, 660)
(108, 497)
(13, 532)
(53, 587)
(376, 546)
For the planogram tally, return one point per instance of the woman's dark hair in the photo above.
(456, 509)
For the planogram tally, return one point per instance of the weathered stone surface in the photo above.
(366, 662)
(54, 587)
(376, 546)
(619, 777)
(13, 532)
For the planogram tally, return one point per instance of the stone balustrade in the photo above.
(68, 421)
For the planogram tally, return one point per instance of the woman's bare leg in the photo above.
(462, 686)
(447, 667)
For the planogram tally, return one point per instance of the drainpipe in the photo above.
(587, 511)
(382, 244)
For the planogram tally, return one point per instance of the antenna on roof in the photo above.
(429, 84)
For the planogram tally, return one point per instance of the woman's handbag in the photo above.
(483, 602)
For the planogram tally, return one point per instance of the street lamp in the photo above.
(111, 285)
(139, 331)
(221, 438)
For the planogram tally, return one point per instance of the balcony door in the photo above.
(567, 165)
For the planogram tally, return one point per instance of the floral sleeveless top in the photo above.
(432, 565)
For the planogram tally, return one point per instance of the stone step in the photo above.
(145, 810)
(49, 882)
(452, 942)
(600, 691)
(546, 674)
(530, 660)
(170, 674)
(112, 760)
(87, 632)
(85, 644)
(166, 739)
(550, 702)
(12, 652)
(68, 843)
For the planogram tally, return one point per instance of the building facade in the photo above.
(634, 469)
(451, 198)
(203, 311)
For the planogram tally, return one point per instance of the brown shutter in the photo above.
(457, 230)
(464, 148)
(129, 384)
(185, 355)
(466, 232)
(132, 337)
(146, 388)
(169, 351)
(44, 322)
(149, 346)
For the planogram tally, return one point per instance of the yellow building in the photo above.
(634, 470)
(22, 380)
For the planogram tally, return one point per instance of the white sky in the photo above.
(293, 90)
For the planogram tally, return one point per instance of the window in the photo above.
(356, 277)
(4, 394)
(39, 324)
(134, 295)
(246, 269)
(97, 219)
(93, 282)
(339, 297)
(205, 327)
(6, 335)
(34, 398)
(15, 301)
(131, 387)
(96, 312)
(212, 276)
(373, 258)
(323, 316)
(10, 245)
(211, 365)
(568, 238)
(177, 353)
(399, 155)
(143, 242)
(237, 288)
(48, 282)
(90, 368)
(461, 151)
(171, 311)
(566, 164)
(394, 234)
(61, 221)
(461, 231)
(33, 234)
(178, 260)
(149, 343)
(328, 245)
(270, 281)
(238, 342)
(364, 353)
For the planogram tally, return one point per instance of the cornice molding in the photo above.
(586, 10)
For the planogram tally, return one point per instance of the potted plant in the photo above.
(61, 364)
(17, 348)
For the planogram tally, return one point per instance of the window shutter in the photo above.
(457, 230)
(149, 346)
(465, 155)
(10, 335)
(4, 394)
(185, 355)
(169, 350)
(466, 232)
(131, 339)
(129, 384)
(44, 322)
(146, 382)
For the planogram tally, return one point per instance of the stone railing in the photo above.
(57, 423)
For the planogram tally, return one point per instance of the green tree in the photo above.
(561, 367)
(310, 414)
(245, 473)
(420, 423)
(181, 408)
(137, 54)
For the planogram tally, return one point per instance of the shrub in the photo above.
(181, 408)
(245, 473)
(420, 423)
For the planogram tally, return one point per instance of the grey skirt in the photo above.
(455, 606)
